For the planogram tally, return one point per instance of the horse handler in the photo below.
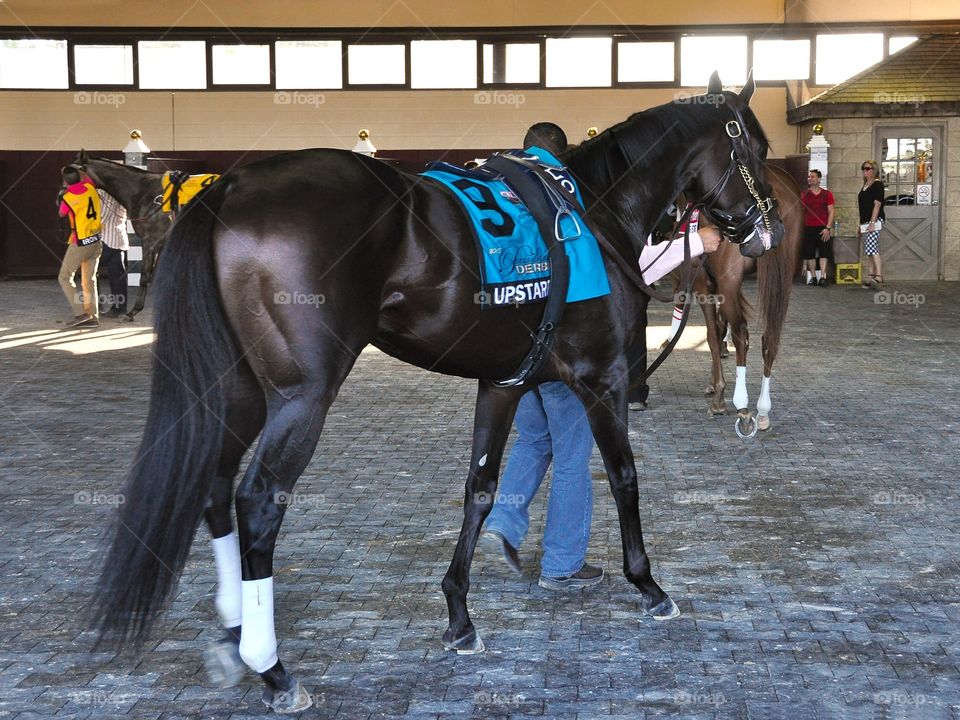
(81, 204)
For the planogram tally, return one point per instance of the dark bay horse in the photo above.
(137, 191)
(388, 259)
(718, 289)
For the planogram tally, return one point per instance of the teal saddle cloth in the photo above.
(514, 258)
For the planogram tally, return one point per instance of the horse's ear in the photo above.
(748, 87)
(82, 157)
(715, 87)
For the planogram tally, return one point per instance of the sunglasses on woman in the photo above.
(866, 167)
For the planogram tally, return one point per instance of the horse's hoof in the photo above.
(666, 610)
(469, 644)
(763, 422)
(717, 410)
(286, 702)
(709, 390)
(128, 317)
(223, 664)
(746, 427)
(638, 406)
(724, 352)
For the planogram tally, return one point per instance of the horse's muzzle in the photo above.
(760, 240)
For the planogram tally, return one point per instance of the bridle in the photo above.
(738, 228)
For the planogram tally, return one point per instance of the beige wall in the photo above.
(282, 121)
(851, 142)
(826, 11)
(381, 13)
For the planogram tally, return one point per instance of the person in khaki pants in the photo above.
(81, 204)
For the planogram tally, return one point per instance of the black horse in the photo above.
(377, 256)
(137, 190)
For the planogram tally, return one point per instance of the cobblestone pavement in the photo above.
(816, 566)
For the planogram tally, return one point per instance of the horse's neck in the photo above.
(132, 189)
(635, 199)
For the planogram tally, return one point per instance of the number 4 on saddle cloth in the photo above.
(515, 263)
(179, 188)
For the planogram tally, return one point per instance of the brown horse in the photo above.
(718, 289)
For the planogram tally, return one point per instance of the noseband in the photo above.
(728, 223)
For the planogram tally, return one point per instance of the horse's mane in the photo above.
(119, 163)
(647, 127)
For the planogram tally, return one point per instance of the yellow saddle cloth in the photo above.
(179, 188)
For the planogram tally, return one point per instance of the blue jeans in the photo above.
(551, 425)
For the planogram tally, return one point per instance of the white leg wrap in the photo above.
(764, 404)
(258, 639)
(226, 553)
(675, 323)
(741, 399)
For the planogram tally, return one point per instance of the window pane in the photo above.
(103, 64)
(701, 55)
(900, 42)
(645, 62)
(443, 64)
(522, 63)
(781, 59)
(842, 56)
(172, 64)
(376, 65)
(309, 64)
(924, 160)
(579, 62)
(33, 64)
(241, 64)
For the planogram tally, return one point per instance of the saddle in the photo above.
(179, 188)
(528, 185)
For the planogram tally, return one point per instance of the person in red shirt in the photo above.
(81, 204)
(818, 207)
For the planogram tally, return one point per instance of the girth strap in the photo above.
(528, 187)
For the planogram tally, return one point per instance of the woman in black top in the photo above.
(870, 202)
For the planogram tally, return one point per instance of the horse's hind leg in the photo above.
(491, 427)
(244, 419)
(607, 411)
(764, 403)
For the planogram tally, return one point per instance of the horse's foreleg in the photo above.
(764, 403)
(608, 420)
(146, 276)
(491, 427)
(746, 425)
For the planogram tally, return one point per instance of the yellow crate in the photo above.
(848, 273)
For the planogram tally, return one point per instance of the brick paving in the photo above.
(816, 566)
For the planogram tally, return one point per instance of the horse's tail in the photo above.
(775, 269)
(166, 490)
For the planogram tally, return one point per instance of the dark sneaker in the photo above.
(584, 577)
(81, 321)
(496, 544)
(114, 313)
(823, 282)
(811, 281)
